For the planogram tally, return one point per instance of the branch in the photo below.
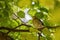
(39, 34)
(22, 25)
(52, 26)
(13, 30)
(19, 26)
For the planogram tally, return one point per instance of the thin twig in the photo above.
(18, 17)
(39, 34)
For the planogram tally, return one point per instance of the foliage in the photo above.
(44, 23)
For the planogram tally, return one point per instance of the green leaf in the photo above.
(21, 14)
(2, 4)
(44, 9)
(39, 15)
(46, 23)
(30, 22)
(18, 21)
(46, 31)
(32, 12)
(23, 27)
(42, 38)
(48, 37)
(28, 36)
(5, 13)
(33, 30)
(13, 23)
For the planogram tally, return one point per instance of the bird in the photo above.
(37, 23)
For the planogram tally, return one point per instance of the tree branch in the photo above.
(52, 26)
(22, 25)
(39, 34)
(13, 30)
(19, 26)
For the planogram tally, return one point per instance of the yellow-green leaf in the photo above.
(21, 14)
